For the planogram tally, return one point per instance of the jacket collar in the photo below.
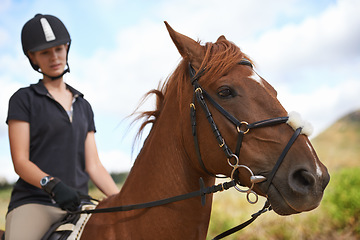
(40, 89)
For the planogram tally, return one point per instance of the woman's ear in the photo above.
(32, 57)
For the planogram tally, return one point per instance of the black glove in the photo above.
(67, 197)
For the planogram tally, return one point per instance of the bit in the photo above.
(257, 179)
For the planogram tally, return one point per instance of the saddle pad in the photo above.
(78, 228)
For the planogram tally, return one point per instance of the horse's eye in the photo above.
(225, 92)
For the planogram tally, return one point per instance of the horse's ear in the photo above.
(221, 38)
(187, 47)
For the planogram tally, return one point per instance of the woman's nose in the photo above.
(53, 54)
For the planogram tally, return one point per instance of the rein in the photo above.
(242, 128)
(200, 193)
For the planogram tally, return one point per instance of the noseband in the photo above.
(242, 128)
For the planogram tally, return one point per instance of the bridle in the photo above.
(242, 128)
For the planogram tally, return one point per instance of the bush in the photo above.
(119, 178)
(342, 199)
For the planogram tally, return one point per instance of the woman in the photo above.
(51, 134)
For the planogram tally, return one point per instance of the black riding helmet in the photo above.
(42, 32)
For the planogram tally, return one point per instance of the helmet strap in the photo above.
(67, 70)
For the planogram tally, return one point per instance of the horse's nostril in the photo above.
(304, 177)
(302, 181)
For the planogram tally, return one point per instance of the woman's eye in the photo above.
(225, 93)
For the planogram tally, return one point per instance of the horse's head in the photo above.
(238, 101)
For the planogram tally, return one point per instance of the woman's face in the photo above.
(52, 61)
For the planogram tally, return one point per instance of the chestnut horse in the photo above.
(168, 164)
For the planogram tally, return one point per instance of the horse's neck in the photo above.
(162, 170)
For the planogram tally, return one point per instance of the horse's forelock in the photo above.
(219, 58)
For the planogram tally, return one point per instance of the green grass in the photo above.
(4, 202)
(343, 200)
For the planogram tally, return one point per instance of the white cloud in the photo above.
(7, 89)
(325, 105)
(237, 20)
(116, 80)
(5, 5)
(14, 73)
(327, 40)
(320, 48)
(4, 37)
(314, 64)
(116, 161)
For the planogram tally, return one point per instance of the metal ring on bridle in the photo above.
(248, 197)
(247, 129)
(249, 190)
(249, 170)
(233, 165)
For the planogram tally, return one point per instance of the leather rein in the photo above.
(242, 128)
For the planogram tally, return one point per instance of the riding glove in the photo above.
(67, 197)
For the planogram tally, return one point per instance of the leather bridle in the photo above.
(242, 128)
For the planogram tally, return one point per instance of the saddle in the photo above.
(71, 226)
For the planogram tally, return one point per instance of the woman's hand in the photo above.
(67, 197)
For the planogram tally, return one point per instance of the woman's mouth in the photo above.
(55, 66)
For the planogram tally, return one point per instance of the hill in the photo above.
(339, 146)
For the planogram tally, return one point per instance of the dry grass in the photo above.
(231, 208)
(338, 146)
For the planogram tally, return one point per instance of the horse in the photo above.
(195, 129)
(218, 82)
(171, 164)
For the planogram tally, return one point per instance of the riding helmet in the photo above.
(42, 32)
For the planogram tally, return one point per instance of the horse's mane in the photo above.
(219, 58)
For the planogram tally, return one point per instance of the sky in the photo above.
(308, 50)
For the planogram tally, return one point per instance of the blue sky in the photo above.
(308, 50)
